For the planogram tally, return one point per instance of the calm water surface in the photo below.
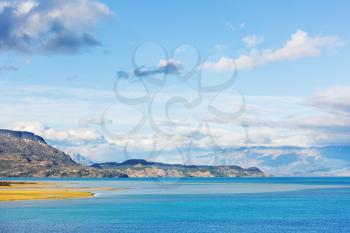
(190, 205)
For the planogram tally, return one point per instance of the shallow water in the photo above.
(190, 205)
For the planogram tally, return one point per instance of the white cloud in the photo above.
(252, 40)
(102, 152)
(298, 46)
(335, 99)
(50, 26)
(77, 136)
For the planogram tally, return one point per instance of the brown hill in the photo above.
(24, 154)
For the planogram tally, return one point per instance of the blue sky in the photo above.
(59, 62)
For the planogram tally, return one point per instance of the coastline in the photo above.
(27, 191)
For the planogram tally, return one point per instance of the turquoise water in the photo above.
(190, 205)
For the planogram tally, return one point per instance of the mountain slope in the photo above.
(23, 154)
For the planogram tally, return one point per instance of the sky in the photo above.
(249, 83)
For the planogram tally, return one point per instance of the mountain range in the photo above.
(24, 154)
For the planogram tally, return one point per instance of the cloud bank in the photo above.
(277, 138)
(67, 136)
(335, 99)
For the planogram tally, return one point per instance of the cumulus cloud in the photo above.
(49, 26)
(101, 152)
(76, 136)
(252, 40)
(298, 46)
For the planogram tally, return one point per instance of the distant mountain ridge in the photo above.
(131, 162)
(24, 154)
(135, 162)
(143, 168)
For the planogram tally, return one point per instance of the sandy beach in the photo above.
(21, 191)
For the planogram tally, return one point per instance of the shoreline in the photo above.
(28, 191)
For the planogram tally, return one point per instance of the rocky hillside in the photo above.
(24, 154)
(143, 168)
